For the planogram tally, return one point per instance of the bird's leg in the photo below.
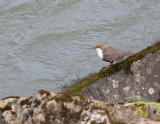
(110, 64)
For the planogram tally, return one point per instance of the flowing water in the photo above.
(45, 44)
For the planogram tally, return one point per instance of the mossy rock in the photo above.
(104, 72)
(5, 108)
(83, 83)
(141, 107)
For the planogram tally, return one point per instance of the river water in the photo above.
(46, 44)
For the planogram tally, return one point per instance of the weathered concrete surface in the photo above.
(143, 85)
(45, 107)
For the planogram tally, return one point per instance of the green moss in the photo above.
(158, 106)
(141, 110)
(13, 113)
(65, 97)
(25, 102)
(93, 122)
(31, 113)
(47, 117)
(68, 115)
(44, 106)
(44, 92)
(5, 108)
(158, 100)
(141, 107)
(117, 122)
(104, 72)
(83, 83)
(37, 102)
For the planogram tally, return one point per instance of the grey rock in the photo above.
(152, 111)
(143, 85)
(45, 107)
(2, 121)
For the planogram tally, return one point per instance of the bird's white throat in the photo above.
(100, 54)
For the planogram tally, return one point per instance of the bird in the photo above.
(111, 54)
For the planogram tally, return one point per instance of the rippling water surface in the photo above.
(47, 44)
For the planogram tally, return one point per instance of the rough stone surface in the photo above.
(2, 121)
(143, 85)
(45, 107)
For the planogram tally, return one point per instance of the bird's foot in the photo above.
(109, 65)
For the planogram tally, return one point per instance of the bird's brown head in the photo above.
(99, 46)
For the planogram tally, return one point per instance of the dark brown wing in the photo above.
(112, 54)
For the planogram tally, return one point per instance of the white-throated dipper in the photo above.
(110, 54)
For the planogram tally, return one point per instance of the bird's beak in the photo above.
(94, 47)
